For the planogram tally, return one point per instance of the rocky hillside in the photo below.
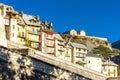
(116, 44)
(89, 42)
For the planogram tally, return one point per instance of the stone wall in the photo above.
(52, 67)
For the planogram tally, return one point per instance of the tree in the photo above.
(27, 43)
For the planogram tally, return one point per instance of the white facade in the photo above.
(43, 42)
(13, 28)
(59, 48)
(3, 41)
(94, 63)
(68, 54)
(48, 43)
(79, 55)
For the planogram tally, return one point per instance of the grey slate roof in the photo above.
(90, 54)
(112, 63)
(20, 20)
(47, 27)
(31, 20)
(77, 45)
(59, 37)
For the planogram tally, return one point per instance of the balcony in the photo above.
(67, 55)
(34, 40)
(50, 45)
(61, 49)
(61, 43)
(81, 51)
(80, 56)
(34, 32)
(21, 36)
(50, 37)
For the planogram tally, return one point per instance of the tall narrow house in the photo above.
(3, 41)
(10, 20)
(48, 38)
(59, 46)
(31, 31)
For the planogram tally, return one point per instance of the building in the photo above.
(21, 36)
(59, 46)
(116, 60)
(110, 68)
(82, 33)
(3, 41)
(76, 52)
(10, 20)
(48, 38)
(32, 31)
(94, 62)
(68, 54)
(73, 32)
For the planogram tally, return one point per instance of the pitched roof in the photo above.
(93, 55)
(112, 63)
(20, 20)
(59, 37)
(77, 45)
(47, 27)
(31, 20)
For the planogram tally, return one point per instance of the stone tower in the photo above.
(82, 33)
(73, 32)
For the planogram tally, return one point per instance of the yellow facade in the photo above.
(118, 70)
(29, 35)
(21, 34)
(34, 36)
(111, 70)
(68, 54)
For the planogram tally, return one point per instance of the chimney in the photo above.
(21, 13)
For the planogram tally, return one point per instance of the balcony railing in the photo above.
(21, 36)
(34, 40)
(34, 32)
(49, 38)
(50, 45)
(61, 49)
(80, 56)
(61, 43)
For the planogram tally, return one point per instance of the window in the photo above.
(109, 72)
(79, 49)
(85, 50)
(22, 40)
(88, 61)
(114, 72)
(82, 59)
(37, 45)
(13, 26)
(37, 31)
(77, 54)
(22, 34)
(32, 29)
(23, 27)
(7, 9)
(18, 28)
(12, 34)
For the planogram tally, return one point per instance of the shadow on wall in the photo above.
(15, 64)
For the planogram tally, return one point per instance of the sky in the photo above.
(99, 18)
